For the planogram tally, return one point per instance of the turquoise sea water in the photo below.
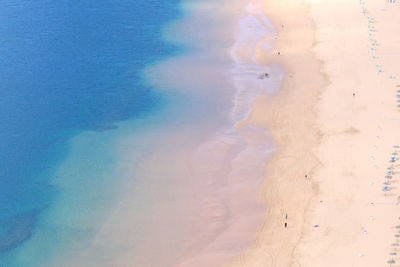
(122, 140)
(67, 67)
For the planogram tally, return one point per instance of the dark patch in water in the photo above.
(17, 229)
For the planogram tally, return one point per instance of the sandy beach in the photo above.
(192, 133)
(334, 178)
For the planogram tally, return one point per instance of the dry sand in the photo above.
(338, 215)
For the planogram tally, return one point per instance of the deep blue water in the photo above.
(66, 67)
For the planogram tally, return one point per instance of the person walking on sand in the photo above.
(285, 224)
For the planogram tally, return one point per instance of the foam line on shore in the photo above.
(234, 159)
(250, 78)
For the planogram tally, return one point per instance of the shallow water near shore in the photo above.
(180, 181)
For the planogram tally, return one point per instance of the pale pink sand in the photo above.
(325, 132)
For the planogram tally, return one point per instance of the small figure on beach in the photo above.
(354, 94)
(286, 216)
(306, 176)
(263, 76)
(279, 53)
(285, 224)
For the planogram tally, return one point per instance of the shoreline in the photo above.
(238, 152)
(292, 119)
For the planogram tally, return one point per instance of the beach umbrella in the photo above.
(397, 226)
(395, 244)
(388, 177)
(392, 253)
(389, 173)
(385, 188)
(391, 262)
(397, 235)
(386, 183)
